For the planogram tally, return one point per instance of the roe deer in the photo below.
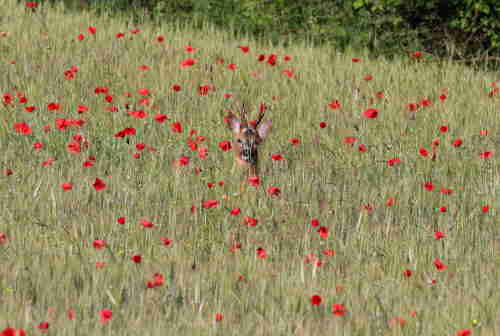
(247, 137)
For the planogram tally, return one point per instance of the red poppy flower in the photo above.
(225, 146)
(371, 113)
(141, 114)
(182, 161)
(486, 208)
(412, 107)
(261, 253)
(425, 102)
(338, 310)
(439, 265)
(105, 315)
(350, 140)
(166, 241)
(202, 152)
(22, 127)
(159, 279)
(203, 90)
(485, 155)
(188, 62)
(67, 186)
(390, 201)
(99, 244)
(250, 221)
(8, 332)
(439, 235)
(335, 104)
(31, 4)
(329, 252)
(254, 181)
(393, 162)
(457, 142)
(43, 326)
(53, 106)
(276, 157)
(99, 184)
(274, 191)
(316, 300)
(446, 191)
(235, 211)
(323, 232)
(210, 204)
(176, 127)
(271, 60)
(125, 131)
(3, 238)
(423, 152)
(146, 223)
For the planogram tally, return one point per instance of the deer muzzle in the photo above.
(248, 152)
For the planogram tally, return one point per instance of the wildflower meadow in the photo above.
(375, 211)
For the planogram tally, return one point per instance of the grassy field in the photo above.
(385, 224)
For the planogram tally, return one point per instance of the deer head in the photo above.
(247, 137)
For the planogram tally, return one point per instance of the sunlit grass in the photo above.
(380, 218)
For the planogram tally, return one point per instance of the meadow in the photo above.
(120, 212)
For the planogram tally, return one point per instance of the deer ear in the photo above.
(233, 123)
(264, 128)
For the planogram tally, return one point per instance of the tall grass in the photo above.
(380, 218)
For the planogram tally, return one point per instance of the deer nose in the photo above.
(247, 145)
(248, 152)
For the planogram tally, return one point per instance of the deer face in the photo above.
(247, 137)
(246, 142)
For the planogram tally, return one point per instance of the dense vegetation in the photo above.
(460, 29)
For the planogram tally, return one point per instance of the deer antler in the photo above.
(243, 115)
(260, 116)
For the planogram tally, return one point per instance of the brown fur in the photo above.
(247, 138)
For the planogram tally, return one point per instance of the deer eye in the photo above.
(239, 140)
